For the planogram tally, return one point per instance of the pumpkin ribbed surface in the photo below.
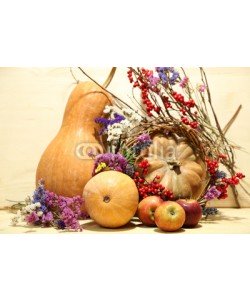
(179, 167)
(111, 199)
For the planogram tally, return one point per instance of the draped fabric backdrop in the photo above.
(32, 102)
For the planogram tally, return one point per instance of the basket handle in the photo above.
(106, 82)
(109, 78)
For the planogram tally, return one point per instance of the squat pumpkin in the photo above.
(180, 169)
(111, 198)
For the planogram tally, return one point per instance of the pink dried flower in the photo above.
(70, 209)
(202, 88)
(184, 82)
(153, 80)
(32, 218)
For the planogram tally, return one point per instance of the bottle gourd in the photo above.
(65, 165)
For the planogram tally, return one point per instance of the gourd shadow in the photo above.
(92, 226)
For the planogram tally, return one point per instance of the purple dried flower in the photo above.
(70, 211)
(50, 200)
(167, 74)
(44, 208)
(106, 122)
(173, 78)
(130, 170)
(60, 224)
(69, 219)
(55, 209)
(113, 161)
(144, 138)
(143, 142)
(47, 218)
(212, 193)
(39, 193)
(220, 174)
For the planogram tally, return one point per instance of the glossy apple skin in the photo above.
(169, 216)
(193, 212)
(146, 209)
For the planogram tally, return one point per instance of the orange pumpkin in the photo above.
(180, 169)
(111, 199)
(65, 165)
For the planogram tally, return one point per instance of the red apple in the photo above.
(193, 212)
(146, 209)
(169, 216)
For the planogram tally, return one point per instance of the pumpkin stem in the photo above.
(106, 199)
(173, 163)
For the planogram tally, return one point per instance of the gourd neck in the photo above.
(86, 102)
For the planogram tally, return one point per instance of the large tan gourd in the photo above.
(65, 165)
(180, 169)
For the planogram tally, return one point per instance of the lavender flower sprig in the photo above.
(143, 142)
(212, 193)
(210, 211)
(106, 122)
(168, 75)
(220, 174)
(48, 209)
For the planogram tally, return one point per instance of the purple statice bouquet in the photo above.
(110, 161)
(124, 160)
(46, 209)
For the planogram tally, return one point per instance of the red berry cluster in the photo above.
(147, 72)
(240, 175)
(192, 124)
(183, 110)
(130, 75)
(234, 180)
(212, 166)
(145, 100)
(144, 165)
(225, 182)
(222, 188)
(165, 100)
(180, 98)
(190, 103)
(142, 84)
(150, 188)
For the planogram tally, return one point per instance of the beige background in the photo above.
(32, 102)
